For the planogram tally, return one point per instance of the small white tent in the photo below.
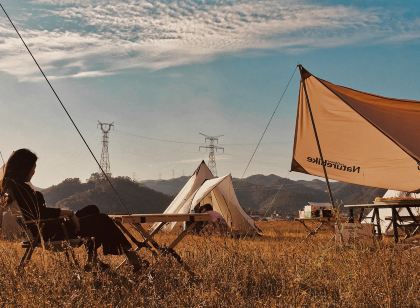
(181, 203)
(203, 188)
(386, 225)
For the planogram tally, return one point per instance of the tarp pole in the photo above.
(316, 136)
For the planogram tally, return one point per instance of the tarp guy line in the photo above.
(269, 122)
(65, 110)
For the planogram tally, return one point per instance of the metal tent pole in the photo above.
(301, 69)
(316, 135)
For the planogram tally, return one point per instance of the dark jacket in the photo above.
(31, 202)
(93, 224)
(32, 206)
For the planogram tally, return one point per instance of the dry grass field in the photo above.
(277, 270)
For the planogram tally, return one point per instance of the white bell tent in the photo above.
(180, 204)
(203, 188)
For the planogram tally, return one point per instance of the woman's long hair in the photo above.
(18, 166)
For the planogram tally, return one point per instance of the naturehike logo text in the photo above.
(333, 164)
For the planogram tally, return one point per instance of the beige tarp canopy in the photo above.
(365, 139)
(203, 188)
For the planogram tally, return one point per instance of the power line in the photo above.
(157, 139)
(65, 109)
(190, 142)
(269, 122)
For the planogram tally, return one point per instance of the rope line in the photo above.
(187, 142)
(65, 110)
(269, 122)
(157, 139)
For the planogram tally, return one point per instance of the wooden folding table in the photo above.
(135, 221)
(320, 222)
(396, 219)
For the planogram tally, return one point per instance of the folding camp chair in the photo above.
(33, 233)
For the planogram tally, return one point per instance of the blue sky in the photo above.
(170, 69)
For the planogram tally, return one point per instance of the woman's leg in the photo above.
(92, 254)
(107, 234)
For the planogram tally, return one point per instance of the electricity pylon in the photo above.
(213, 149)
(105, 128)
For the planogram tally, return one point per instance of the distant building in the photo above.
(316, 209)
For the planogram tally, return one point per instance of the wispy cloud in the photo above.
(90, 38)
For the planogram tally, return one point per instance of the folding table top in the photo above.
(149, 218)
(383, 205)
(320, 219)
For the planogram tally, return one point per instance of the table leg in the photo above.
(318, 227)
(361, 214)
(170, 249)
(351, 215)
(181, 236)
(312, 231)
(372, 219)
(138, 243)
(378, 222)
(411, 214)
(132, 238)
(395, 224)
(402, 226)
(147, 236)
(307, 228)
(416, 223)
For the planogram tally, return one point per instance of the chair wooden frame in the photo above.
(35, 241)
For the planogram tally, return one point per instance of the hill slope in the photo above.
(169, 187)
(73, 194)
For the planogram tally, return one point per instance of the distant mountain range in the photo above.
(265, 194)
(261, 194)
(169, 187)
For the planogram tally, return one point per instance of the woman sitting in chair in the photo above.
(87, 222)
